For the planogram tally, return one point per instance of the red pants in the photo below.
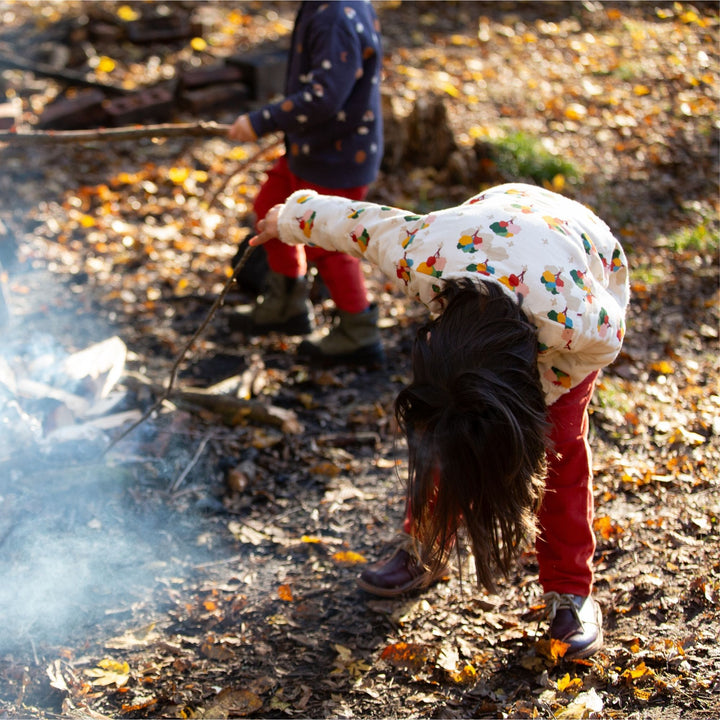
(342, 274)
(566, 541)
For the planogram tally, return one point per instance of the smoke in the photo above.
(84, 539)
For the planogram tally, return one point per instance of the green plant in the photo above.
(520, 155)
(699, 238)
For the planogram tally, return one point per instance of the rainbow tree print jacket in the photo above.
(562, 259)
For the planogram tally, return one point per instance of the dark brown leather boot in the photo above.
(403, 572)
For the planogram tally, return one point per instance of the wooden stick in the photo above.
(126, 132)
(179, 359)
(179, 480)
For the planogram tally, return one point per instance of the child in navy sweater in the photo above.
(332, 121)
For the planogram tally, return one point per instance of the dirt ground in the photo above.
(205, 566)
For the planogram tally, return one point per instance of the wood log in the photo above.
(126, 132)
(230, 409)
(236, 411)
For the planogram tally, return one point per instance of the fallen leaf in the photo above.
(109, 672)
(231, 703)
(348, 557)
(412, 656)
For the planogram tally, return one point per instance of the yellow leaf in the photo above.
(406, 655)
(451, 90)
(640, 90)
(605, 526)
(105, 64)
(348, 557)
(238, 153)
(198, 44)
(127, 14)
(178, 175)
(557, 184)
(87, 221)
(310, 539)
(663, 367)
(575, 111)
(109, 672)
(566, 683)
(551, 649)
(637, 672)
(466, 676)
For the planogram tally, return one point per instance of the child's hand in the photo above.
(267, 227)
(242, 130)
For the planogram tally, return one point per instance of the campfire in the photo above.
(56, 405)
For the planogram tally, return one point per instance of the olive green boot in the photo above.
(353, 340)
(284, 308)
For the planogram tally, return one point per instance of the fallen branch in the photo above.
(126, 132)
(230, 409)
(179, 480)
(66, 76)
(236, 411)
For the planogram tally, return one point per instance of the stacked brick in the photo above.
(238, 84)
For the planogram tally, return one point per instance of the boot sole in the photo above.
(419, 583)
(583, 653)
(294, 326)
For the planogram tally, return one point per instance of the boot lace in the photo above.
(555, 601)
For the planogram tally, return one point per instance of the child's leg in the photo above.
(288, 260)
(343, 276)
(566, 542)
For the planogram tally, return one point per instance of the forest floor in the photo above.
(205, 567)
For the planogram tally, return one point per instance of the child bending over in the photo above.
(529, 291)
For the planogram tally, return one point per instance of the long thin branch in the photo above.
(126, 132)
(178, 361)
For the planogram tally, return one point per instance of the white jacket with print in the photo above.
(561, 258)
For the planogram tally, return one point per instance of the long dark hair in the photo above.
(475, 419)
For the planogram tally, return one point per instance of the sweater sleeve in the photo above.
(376, 233)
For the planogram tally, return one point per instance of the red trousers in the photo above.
(342, 274)
(566, 540)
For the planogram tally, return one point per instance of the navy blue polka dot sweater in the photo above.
(331, 113)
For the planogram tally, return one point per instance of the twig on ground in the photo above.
(180, 478)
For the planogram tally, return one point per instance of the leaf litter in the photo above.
(267, 621)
